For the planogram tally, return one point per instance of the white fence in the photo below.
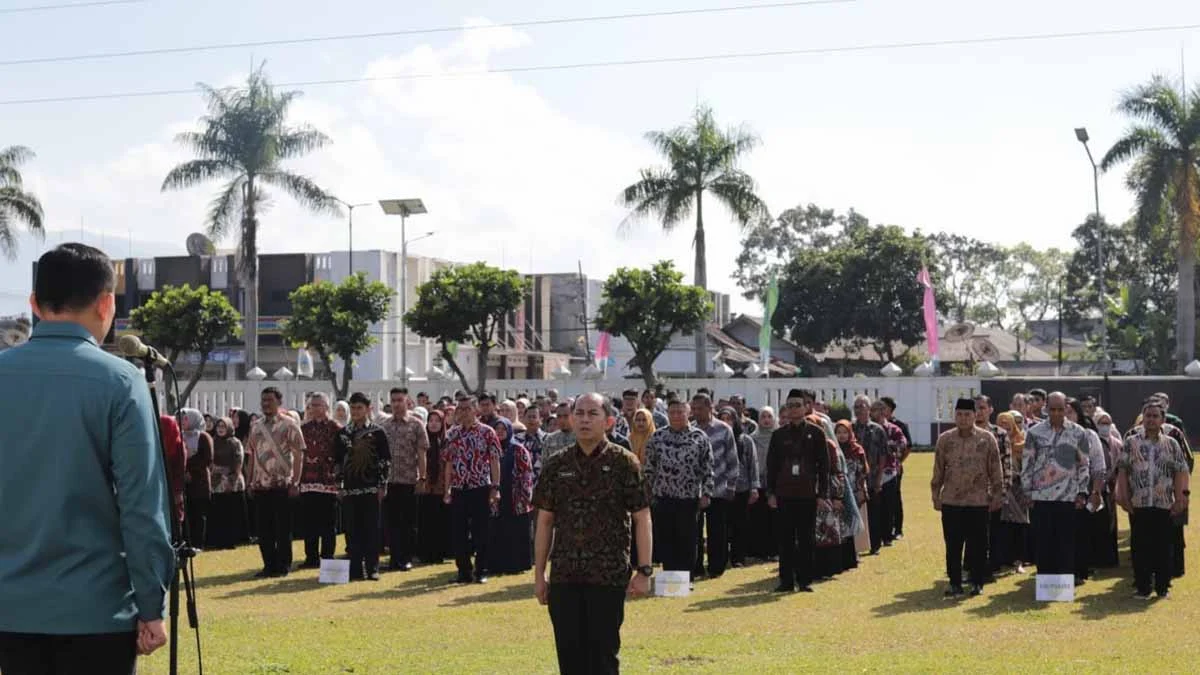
(925, 403)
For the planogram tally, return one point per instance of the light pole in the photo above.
(1081, 135)
(350, 209)
(403, 208)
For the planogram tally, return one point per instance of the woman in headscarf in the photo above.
(210, 423)
(341, 413)
(746, 493)
(1104, 551)
(1014, 512)
(857, 470)
(198, 447)
(242, 419)
(761, 544)
(831, 526)
(640, 432)
(433, 519)
(509, 550)
(228, 487)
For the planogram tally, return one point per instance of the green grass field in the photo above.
(886, 616)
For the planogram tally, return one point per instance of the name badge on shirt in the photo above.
(606, 468)
(795, 469)
(566, 474)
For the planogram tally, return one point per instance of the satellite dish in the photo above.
(985, 350)
(198, 244)
(959, 332)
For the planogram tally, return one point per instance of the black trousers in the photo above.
(898, 508)
(470, 517)
(713, 522)
(227, 520)
(1083, 543)
(31, 654)
(318, 515)
(999, 544)
(196, 520)
(1054, 537)
(675, 533)
(965, 526)
(880, 513)
(1177, 567)
(739, 527)
(1152, 534)
(587, 622)
(762, 539)
(361, 518)
(401, 509)
(797, 521)
(433, 529)
(273, 510)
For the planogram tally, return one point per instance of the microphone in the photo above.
(134, 348)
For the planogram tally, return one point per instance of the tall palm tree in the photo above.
(1164, 145)
(16, 205)
(700, 158)
(243, 139)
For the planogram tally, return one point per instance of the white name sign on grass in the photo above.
(334, 572)
(672, 584)
(1056, 588)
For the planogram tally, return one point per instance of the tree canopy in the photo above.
(17, 205)
(335, 320)
(181, 319)
(648, 307)
(466, 304)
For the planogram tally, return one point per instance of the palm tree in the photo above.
(16, 205)
(1164, 145)
(700, 158)
(243, 139)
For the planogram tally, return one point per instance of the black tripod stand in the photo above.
(184, 554)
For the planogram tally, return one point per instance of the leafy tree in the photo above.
(771, 243)
(16, 205)
(1164, 147)
(335, 320)
(647, 307)
(244, 139)
(466, 304)
(700, 158)
(1035, 278)
(960, 267)
(184, 319)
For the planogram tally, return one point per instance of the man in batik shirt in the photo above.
(363, 460)
(318, 484)
(472, 461)
(276, 458)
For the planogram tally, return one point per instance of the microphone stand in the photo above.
(184, 554)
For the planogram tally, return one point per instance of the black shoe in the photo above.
(874, 551)
(953, 593)
(462, 579)
(784, 588)
(401, 567)
(715, 575)
(373, 576)
(899, 536)
(737, 564)
(805, 588)
(310, 565)
(481, 579)
(1163, 595)
(264, 574)
(976, 590)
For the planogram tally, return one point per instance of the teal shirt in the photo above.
(84, 546)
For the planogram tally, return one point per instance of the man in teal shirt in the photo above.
(85, 556)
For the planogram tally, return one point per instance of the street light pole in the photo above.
(350, 225)
(403, 208)
(1081, 135)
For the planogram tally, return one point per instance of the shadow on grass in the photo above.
(295, 584)
(1115, 600)
(516, 593)
(749, 594)
(911, 602)
(1019, 598)
(408, 589)
(214, 581)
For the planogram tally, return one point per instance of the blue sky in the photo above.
(523, 169)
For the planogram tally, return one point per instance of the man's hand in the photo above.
(995, 505)
(937, 505)
(494, 496)
(150, 636)
(1080, 502)
(753, 498)
(704, 502)
(293, 490)
(639, 586)
(1179, 506)
(382, 494)
(1096, 500)
(541, 590)
(422, 486)
(772, 502)
(448, 498)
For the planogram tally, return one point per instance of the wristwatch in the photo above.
(646, 570)
(1187, 493)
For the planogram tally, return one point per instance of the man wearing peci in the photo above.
(85, 557)
(584, 499)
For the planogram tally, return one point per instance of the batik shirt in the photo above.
(469, 454)
(407, 440)
(1006, 464)
(1055, 463)
(363, 459)
(533, 442)
(557, 442)
(896, 445)
(679, 464)
(591, 499)
(966, 470)
(726, 467)
(748, 476)
(1152, 467)
(320, 457)
(875, 441)
(271, 444)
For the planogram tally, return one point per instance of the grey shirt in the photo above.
(726, 467)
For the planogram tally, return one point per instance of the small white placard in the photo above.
(1056, 588)
(335, 572)
(672, 584)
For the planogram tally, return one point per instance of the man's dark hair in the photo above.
(71, 277)
(650, 391)
(533, 409)
(701, 398)
(421, 393)
(704, 390)
(398, 390)
(487, 396)
(1087, 398)
(984, 399)
(359, 397)
(468, 400)
(274, 391)
(605, 402)
(889, 402)
(1039, 393)
(673, 399)
(629, 393)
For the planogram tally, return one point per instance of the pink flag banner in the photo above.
(930, 308)
(602, 347)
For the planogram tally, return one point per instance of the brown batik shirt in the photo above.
(591, 499)
(967, 470)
